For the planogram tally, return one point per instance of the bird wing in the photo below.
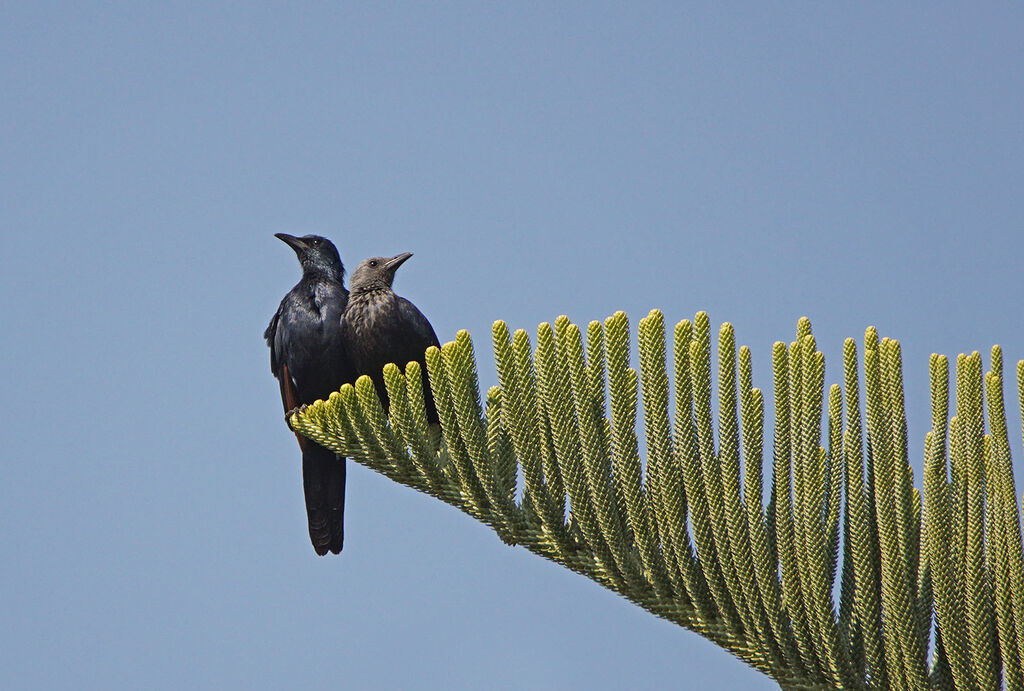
(414, 319)
(290, 399)
(275, 334)
(419, 336)
(270, 335)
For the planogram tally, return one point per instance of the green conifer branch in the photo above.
(931, 581)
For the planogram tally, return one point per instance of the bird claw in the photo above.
(295, 410)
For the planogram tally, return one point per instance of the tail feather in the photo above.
(323, 480)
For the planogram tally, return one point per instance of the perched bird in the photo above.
(308, 358)
(381, 327)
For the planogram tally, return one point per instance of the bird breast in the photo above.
(368, 322)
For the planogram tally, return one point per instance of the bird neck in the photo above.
(369, 290)
(318, 272)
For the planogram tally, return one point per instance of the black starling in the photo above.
(308, 358)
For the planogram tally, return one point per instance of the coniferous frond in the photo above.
(930, 581)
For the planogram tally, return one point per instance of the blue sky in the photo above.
(857, 165)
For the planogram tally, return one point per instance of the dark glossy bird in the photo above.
(308, 358)
(381, 327)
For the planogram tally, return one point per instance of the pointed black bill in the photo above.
(297, 244)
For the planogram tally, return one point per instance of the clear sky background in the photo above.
(857, 165)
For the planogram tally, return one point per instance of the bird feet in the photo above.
(297, 409)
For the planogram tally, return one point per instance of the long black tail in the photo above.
(323, 479)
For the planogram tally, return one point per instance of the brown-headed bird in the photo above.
(380, 326)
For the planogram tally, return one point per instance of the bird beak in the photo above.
(397, 261)
(295, 243)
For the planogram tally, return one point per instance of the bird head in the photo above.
(316, 254)
(376, 273)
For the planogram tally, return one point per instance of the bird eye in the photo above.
(373, 262)
(316, 241)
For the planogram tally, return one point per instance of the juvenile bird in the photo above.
(308, 358)
(381, 327)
